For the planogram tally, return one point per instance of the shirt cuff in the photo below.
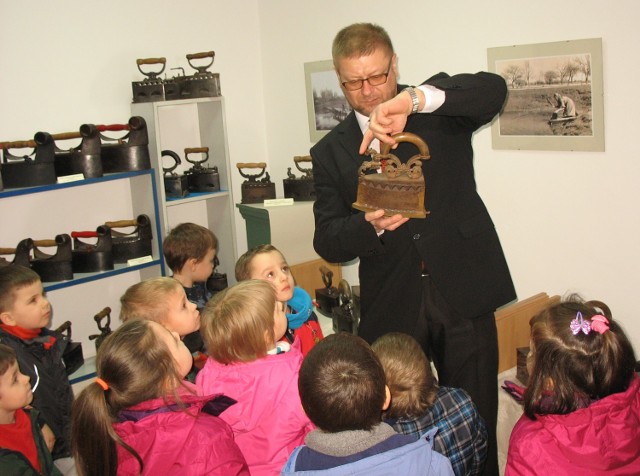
(433, 98)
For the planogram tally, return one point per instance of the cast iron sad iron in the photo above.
(153, 88)
(217, 281)
(346, 315)
(92, 258)
(104, 328)
(84, 159)
(31, 170)
(203, 83)
(128, 153)
(300, 189)
(327, 297)
(398, 188)
(199, 177)
(55, 267)
(21, 254)
(254, 190)
(175, 186)
(133, 244)
(72, 354)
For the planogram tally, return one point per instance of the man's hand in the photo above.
(383, 223)
(389, 118)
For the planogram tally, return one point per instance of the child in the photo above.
(582, 404)
(140, 417)
(267, 263)
(22, 446)
(164, 301)
(25, 314)
(190, 252)
(418, 403)
(342, 388)
(240, 327)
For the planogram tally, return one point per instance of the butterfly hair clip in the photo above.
(579, 324)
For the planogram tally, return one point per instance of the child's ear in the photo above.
(7, 319)
(387, 400)
(192, 263)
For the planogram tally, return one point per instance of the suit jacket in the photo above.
(457, 240)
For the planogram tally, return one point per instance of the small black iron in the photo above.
(327, 297)
(199, 177)
(92, 258)
(103, 320)
(175, 186)
(134, 244)
(254, 190)
(56, 267)
(300, 189)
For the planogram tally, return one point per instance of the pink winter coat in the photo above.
(176, 442)
(603, 438)
(268, 420)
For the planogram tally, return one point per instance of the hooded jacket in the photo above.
(175, 441)
(267, 420)
(603, 438)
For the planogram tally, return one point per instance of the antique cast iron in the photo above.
(128, 153)
(327, 297)
(56, 267)
(153, 88)
(72, 355)
(92, 258)
(133, 244)
(202, 83)
(85, 158)
(175, 186)
(199, 177)
(399, 188)
(21, 253)
(300, 189)
(28, 171)
(346, 315)
(104, 328)
(254, 190)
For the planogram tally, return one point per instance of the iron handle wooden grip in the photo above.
(196, 150)
(303, 158)
(407, 137)
(207, 54)
(161, 60)
(251, 165)
(45, 243)
(121, 223)
(7, 251)
(105, 312)
(84, 234)
(18, 144)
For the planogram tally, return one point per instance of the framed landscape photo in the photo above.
(555, 96)
(326, 105)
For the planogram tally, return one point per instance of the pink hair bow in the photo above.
(599, 323)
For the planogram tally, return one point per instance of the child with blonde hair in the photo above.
(241, 327)
(418, 404)
(267, 263)
(582, 404)
(140, 417)
(163, 300)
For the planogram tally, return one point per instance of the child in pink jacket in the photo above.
(241, 327)
(582, 404)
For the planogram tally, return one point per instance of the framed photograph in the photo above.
(555, 99)
(326, 105)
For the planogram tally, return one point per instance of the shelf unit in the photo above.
(176, 125)
(45, 211)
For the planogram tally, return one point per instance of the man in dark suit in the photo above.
(441, 278)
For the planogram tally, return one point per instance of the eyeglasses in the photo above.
(375, 80)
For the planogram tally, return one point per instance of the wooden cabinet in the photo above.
(194, 123)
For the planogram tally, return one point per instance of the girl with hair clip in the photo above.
(582, 404)
(241, 327)
(140, 417)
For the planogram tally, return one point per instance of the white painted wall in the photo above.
(568, 220)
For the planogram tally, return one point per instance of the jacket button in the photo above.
(416, 236)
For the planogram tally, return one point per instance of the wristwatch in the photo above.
(414, 98)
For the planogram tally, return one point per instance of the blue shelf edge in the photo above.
(85, 372)
(86, 278)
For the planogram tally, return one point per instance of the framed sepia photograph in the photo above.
(326, 105)
(555, 96)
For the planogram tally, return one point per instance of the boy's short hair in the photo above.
(12, 278)
(408, 372)
(342, 384)
(147, 299)
(243, 265)
(7, 358)
(235, 320)
(187, 241)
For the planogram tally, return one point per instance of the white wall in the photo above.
(568, 220)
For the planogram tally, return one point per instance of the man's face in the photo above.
(366, 99)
